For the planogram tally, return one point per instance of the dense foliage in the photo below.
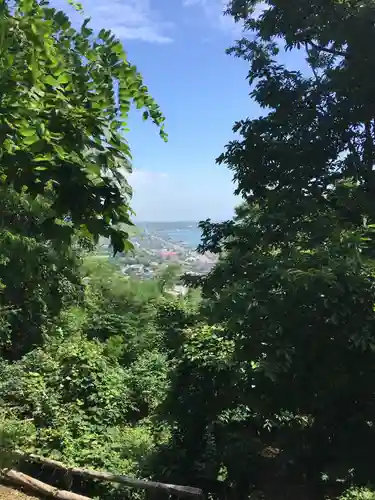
(294, 290)
(65, 100)
(260, 380)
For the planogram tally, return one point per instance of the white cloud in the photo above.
(128, 19)
(214, 11)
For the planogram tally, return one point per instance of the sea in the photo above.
(185, 233)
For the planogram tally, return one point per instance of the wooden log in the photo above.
(37, 486)
(171, 489)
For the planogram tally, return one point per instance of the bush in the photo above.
(358, 494)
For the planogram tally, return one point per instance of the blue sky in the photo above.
(179, 47)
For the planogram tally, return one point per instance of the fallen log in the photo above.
(171, 489)
(37, 486)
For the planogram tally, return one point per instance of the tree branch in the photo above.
(317, 79)
(327, 50)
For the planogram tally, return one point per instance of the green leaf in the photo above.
(27, 132)
(30, 139)
(76, 5)
(93, 168)
(50, 80)
(63, 78)
(46, 157)
(41, 129)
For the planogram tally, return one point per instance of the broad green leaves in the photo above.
(66, 96)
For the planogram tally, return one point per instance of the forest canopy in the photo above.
(259, 382)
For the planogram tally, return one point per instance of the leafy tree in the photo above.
(65, 100)
(147, 381)
(172, 318)
(77, 405)
(69, 401)
(120, 310)
(38, 277)
(169, 275)
(318, 129)
(204, 384)
(294, 287)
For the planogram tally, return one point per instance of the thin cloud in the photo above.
(128, 19)
(139, 178)
(214, 11)
(162, 196)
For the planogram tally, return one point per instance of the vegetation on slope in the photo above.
(262, 382)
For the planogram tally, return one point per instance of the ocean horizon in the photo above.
(184, 232)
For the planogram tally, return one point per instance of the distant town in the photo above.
(162, 244)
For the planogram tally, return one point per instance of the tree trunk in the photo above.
(37, 486)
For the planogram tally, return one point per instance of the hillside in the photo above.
(120, 376)
(157, 245)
